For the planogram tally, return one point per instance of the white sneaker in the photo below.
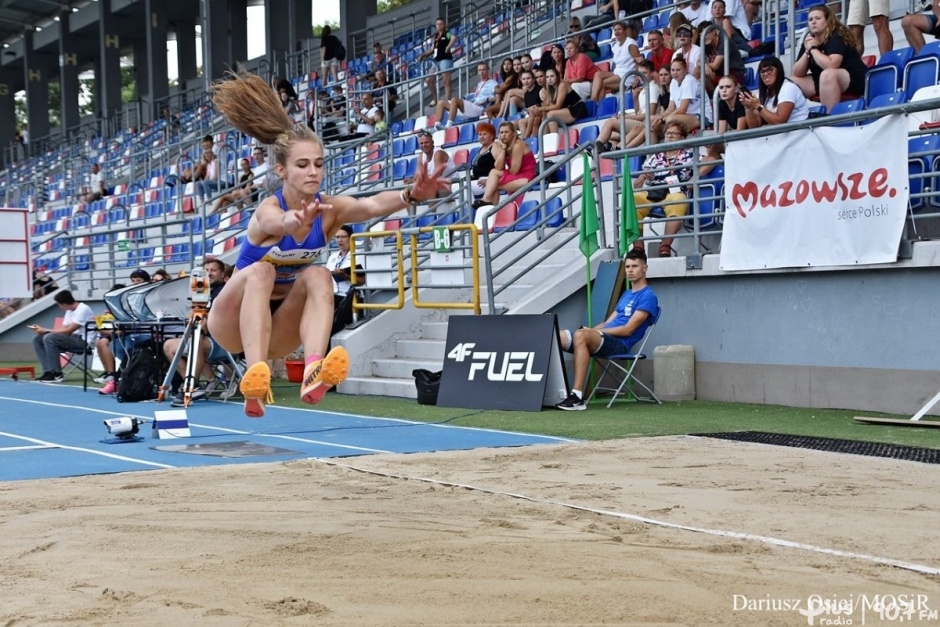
(105, 378)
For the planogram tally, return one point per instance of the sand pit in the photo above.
(310, 543)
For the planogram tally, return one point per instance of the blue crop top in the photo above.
(287, 256)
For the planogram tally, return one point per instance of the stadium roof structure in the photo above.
(21, 16)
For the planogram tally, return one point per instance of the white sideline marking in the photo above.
(737, 535)
(45, 444)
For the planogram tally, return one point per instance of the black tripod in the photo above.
(191, 342)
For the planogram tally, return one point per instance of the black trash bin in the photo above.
(428, 384)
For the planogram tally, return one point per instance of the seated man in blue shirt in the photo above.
(634, 313)
(474, 105)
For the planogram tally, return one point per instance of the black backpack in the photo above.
(140, 377)
(340, 50)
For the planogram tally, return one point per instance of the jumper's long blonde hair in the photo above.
(251, 106)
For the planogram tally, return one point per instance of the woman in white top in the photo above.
(626, 54)
(685, 99)
(339, 264)
(780, 99)
(610, 133)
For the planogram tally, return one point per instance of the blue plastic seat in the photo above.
(588, 134)
(920, 72)
(468, 134)
(607, 107)
(922, 170)
(529, 216)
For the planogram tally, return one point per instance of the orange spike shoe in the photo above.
(320, 376)
(256, 388)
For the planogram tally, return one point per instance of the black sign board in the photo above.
(503, 362)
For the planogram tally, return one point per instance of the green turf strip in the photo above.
(624, 419)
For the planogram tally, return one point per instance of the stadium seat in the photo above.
(553, 213)
(529, 216)
(468, 134)
(922, 170)
(607, 107)
(588, 134)
(887, 100)
(920, 72)
(461, 156)
(847, 106)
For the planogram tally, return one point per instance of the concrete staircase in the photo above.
(386, 350)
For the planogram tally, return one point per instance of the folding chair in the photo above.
(610, 368)
(68, 362)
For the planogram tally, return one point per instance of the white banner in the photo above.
(834, 196)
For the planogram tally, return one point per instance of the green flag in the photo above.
(587, 235)
(629, 227)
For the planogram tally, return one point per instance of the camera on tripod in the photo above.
(199, 285)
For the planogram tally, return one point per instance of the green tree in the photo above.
(318, 28)
(388, 5)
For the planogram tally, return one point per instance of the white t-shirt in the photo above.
(261, 174)
(789, 92)
(368, 129)
(691, 57)
(735, 10)
(654, 90)
(699, 15)
(81, 316)
(623, 60)
(689, 90)
(339, 261)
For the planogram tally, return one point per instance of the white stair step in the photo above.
(399, 388)
(402, 368)
(434, 330)
(420, 349)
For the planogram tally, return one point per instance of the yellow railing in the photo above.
(440, 232)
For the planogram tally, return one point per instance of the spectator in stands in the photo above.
(584, 41)
(713, 154)
(443, 58)
(530, 95)
(828, 64)
(160, 275)
(696, 12)
(483, 97)
(554, 57)
(267, 310)
(626, 53)
(69, 338)
(659, 54)
(629, 321)
(579, 71)
(664, 80)
(379, 61)
(675, 21)
(509, 81)
(860, 12)
(383, 91)
(527, 62)
(209, 350)
(606, 12)
(711, 63)
(514, 165)
(731, 113)
(429, 159)
(140, 276)
(916, 24)
(208, 143)
(685, 101)
(561, 102)
(337, 102)
(330, 53)
(779, 100)
(95, 189)
(381, 126)
(610, 132)
(291, 107)
(484, 161)
(282, 84)
(241, 191)
(366, 116)
(260, 170)
(670, 167)
(208, 175)
(339, 265)
(43, 284)
(684, 46)
(731, 17)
